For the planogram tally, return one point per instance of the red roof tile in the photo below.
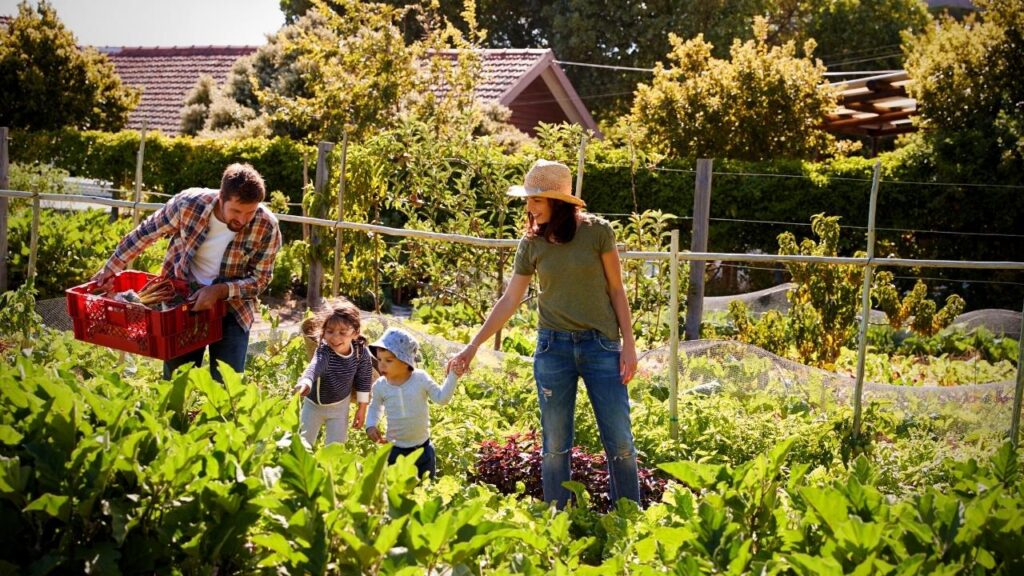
(166, 75)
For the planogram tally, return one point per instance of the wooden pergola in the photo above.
(875, 107)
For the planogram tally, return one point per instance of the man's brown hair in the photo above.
(243, 183)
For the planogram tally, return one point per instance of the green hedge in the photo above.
(171, 164)
(783, 191)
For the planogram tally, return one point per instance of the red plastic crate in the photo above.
(138, 329)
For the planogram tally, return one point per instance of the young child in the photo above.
(340, 364)
(402, 392)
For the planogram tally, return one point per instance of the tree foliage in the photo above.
(346, 66)
(636, 34)
(48, 82)
(765, 102)
(969, 83)
(850, 34)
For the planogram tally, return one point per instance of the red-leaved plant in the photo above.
(518, 459)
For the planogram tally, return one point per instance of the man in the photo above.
(223, 241)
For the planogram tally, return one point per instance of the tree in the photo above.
(345, 66)
(764, 102)
(48, 82)
(969, 84)
(858, 34)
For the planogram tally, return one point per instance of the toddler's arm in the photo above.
(373, 413)
(443, 394)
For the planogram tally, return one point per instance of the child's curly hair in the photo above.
(341, 311)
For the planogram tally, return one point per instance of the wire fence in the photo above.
(697, 255)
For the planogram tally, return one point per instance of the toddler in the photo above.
(402, 392)
(341, 363)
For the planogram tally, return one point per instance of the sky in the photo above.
(165, 22)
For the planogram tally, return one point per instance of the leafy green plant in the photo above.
(646, 283)
(19, 317)
(915, 308)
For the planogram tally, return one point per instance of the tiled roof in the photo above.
(166, 75)
(504, 69)
(531, 83)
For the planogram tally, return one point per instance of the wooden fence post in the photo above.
(4, 204)
(579, 166)
(316, 269)
(865, 303)
(1015, 420)
(33, 249)
(673, 341)
(139, 157)
(302, 195)
(338, 244)
(698, 243)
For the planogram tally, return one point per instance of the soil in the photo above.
(290, 310)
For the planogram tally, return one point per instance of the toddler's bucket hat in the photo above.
(398, 342)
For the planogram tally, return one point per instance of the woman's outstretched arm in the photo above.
(503, 309)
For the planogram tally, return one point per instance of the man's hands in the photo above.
(104, 279)
(206, 297)
(375, 435)
(360, 418)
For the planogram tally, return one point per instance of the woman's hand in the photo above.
(627, 362)
(460, 363)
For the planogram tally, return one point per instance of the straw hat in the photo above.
(547, 179)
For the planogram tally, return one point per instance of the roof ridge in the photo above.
(208, 50)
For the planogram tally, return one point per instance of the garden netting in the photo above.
(712, 367)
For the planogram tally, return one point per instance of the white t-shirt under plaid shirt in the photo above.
(406, 407)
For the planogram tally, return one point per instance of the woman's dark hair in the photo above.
(561, 228)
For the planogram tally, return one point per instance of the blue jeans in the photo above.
(425, 464)
(559, 361)
(231, 348)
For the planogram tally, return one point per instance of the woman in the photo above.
(583, 311)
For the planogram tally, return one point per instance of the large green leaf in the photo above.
(694, 474)
(53, 505)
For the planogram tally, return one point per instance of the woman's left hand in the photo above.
(627, 362)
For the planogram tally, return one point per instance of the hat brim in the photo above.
(378, 346)
(523, 192)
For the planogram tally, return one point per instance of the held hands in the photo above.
(460, 363)
(375, 435)
(627, 362)
(360, 418)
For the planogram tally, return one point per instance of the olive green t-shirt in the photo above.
(573, 287)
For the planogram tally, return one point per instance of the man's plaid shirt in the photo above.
(248, 262)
